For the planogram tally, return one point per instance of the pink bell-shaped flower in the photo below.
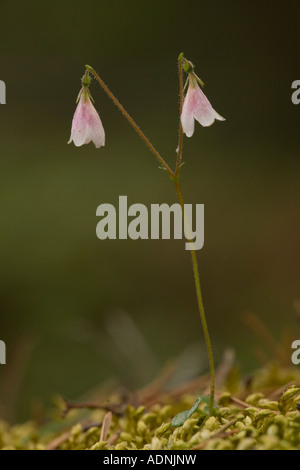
(86, 124)
(196, 106)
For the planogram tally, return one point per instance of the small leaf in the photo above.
(181, 417)
(195, 406)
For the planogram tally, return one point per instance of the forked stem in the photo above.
(174, 175)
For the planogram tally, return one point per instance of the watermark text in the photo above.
(160, 221)
(296, 94)
(296, 354)
(2, 92)
(2, 352)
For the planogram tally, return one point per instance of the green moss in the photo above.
(264, 418)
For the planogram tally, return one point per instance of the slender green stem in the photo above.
(180, 140)
(201, 310)
(183, 62)
(131, 121)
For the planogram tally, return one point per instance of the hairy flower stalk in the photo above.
(194, 106)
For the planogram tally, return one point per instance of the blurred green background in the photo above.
(76, 310)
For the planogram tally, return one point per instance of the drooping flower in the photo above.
(86, 124)
(196, 106)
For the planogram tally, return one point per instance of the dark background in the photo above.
(76, 310)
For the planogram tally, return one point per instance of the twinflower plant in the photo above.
(87, 127)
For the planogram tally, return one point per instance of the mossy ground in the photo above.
(257, 413)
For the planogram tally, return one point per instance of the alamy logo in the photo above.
(160, 223)
(2, 92)
(2, 352)
(296, 354)
(296, 94)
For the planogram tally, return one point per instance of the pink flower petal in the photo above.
(196, 106)
(187, 115)
(86, 124)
